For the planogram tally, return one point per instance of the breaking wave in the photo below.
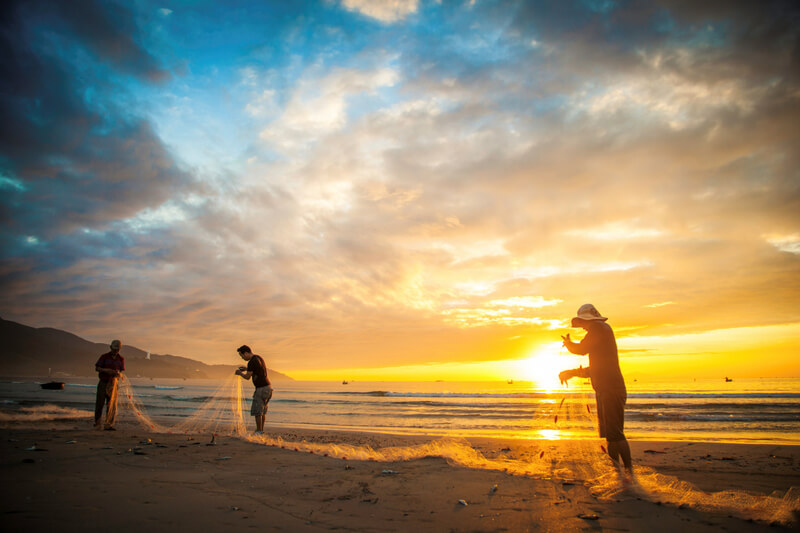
(44, 412)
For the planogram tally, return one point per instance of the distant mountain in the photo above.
(39, 352)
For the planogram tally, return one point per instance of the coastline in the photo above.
(765, 411)
(66, 475)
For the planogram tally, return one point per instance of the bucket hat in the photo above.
(589, 312)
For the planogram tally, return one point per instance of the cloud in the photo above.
(74, 161)
(786, 243)
(106, 29)
(537, 189)
(414, 195)
(387, 11)
(263, 105)
(318, 107)
(616, 231)
(513, 311)
(659, 304)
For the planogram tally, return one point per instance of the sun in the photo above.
(543, 366)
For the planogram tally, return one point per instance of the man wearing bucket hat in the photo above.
(109, 368)
(607, 381)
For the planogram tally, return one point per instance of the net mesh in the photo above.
(582, 460)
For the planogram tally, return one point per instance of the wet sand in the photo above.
(67, 477)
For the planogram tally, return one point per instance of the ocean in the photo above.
(739, 411)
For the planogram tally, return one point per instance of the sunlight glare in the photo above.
(549, 434)
(544, 365)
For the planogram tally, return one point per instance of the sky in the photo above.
(407, 189)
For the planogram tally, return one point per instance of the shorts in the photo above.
(261, 397)
(611, 415)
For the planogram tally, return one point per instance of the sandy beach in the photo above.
(67, 477)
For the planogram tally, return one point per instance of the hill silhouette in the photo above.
(42, 352)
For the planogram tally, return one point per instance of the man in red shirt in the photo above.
(609, 386)
(109, 368)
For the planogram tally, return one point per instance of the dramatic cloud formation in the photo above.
(377, 184)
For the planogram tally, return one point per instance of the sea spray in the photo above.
(46, 412)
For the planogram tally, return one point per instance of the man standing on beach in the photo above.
(607, 381)
(257, 369)
(109, 368)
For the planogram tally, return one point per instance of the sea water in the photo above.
(743, 410)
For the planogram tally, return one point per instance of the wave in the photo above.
(245, 398)
(442, 415)
(561, 394)
(707, 395)
(712, 417)
(488, 395)
(44, 412)
(199, 399)
(708, 406)
(422, 402)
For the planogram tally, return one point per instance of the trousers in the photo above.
(106, 396)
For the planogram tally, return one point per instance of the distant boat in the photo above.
(510, 381)
(727, 379)
(53, 385)
(344, 382)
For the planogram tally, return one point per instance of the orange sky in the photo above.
(408, 190)
(767, 351)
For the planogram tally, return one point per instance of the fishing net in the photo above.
(568, 455)
(220, 414)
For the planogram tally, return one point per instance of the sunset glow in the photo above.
(543, 367)
(407, 190)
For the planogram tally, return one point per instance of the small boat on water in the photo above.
(53, 385)
(344, 382)
(727, 379)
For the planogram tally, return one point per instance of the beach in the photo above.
(400, 266)
(65, 476)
